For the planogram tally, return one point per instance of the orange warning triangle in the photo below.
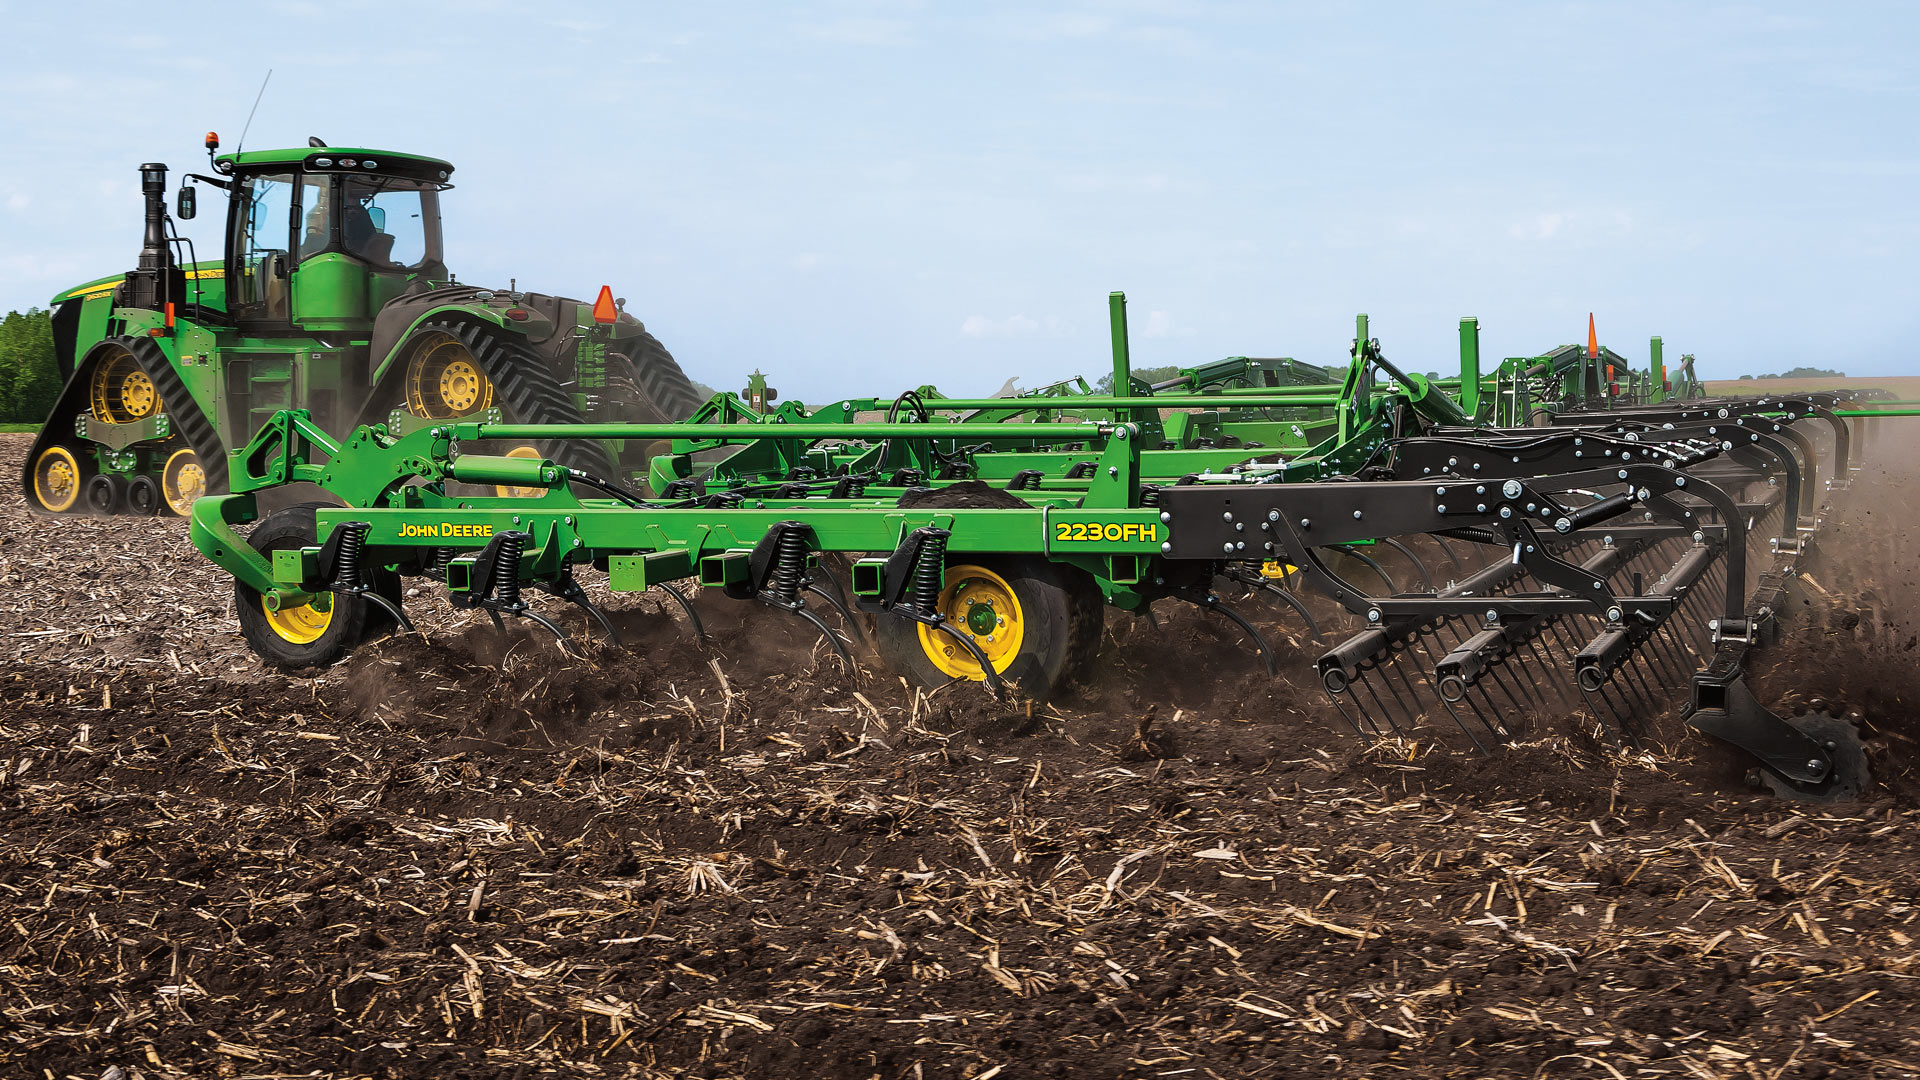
(1593, 339)
(604, 311)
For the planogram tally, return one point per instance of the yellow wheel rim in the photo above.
(979, 603)
(443, 381)
(525, 453)
(56, 479)
(301, 625)
(182, 481)
(120, 392)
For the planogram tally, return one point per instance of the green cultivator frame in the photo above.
(1556, 547)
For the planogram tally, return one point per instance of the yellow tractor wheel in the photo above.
(119, 391)
(444, 380)
(57, 480)
(182, 481)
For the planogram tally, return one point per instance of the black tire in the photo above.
(1052, 617)
(107, 494)
(143, 496)
(526, 390)
(276, 641)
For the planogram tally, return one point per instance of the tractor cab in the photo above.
(322, 238)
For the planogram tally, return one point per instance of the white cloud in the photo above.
(1159, 324)
(18, 201)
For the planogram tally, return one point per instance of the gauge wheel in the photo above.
(182, 481)
(1028, 616)
(309, 635)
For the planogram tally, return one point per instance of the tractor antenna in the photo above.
(242, 145)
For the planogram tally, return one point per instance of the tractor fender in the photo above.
(397, 321)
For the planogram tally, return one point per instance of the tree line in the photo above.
(29, 378)
(1802, 373)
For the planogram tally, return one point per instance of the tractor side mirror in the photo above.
(378, 217)
(184, 208)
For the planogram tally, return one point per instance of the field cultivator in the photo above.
(1513, 548)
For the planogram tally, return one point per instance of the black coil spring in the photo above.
(353, 539)
(506, 569)
(849, 487)
(926, 573)
(789, 565)
(721, 500)
(684, 488)
(1150, 495)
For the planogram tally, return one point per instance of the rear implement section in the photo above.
(1508, 555)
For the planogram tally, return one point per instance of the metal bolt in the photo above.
(1273, 515)
(1480, 490)
(1227, 547)
(1613, 614)
(1679, 481)
(1493, 616)
(1228, 516)
(1306, 523)
(1113, 470)
(1562, 525)
(1816, 765)
(1356, 515)
(1373, 614)
(1442, 508)
(1511, 489)
(1240, 546)
(1482, 508)
(1439, 491)
(516, 519)
(1506, 511)
(1239, 526)
(1166, 547)
(576, 541)
(1166, 518)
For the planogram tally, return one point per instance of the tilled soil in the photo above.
(462, 855)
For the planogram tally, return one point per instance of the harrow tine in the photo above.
(1371, 564)
(1294, 602)
(699, 628)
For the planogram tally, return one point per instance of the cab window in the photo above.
(263, 227)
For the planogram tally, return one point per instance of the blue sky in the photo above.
(861, 197)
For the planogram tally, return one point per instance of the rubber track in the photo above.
(660, 376)
(529, 394)
(184, 412)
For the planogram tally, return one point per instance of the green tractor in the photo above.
(332, 296)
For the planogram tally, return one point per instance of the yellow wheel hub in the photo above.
(301, 625)
(120, 392)
(525, 453)
(56, 479)
(137, 394)
(182, 481)
(444, 381)
(980, 604)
